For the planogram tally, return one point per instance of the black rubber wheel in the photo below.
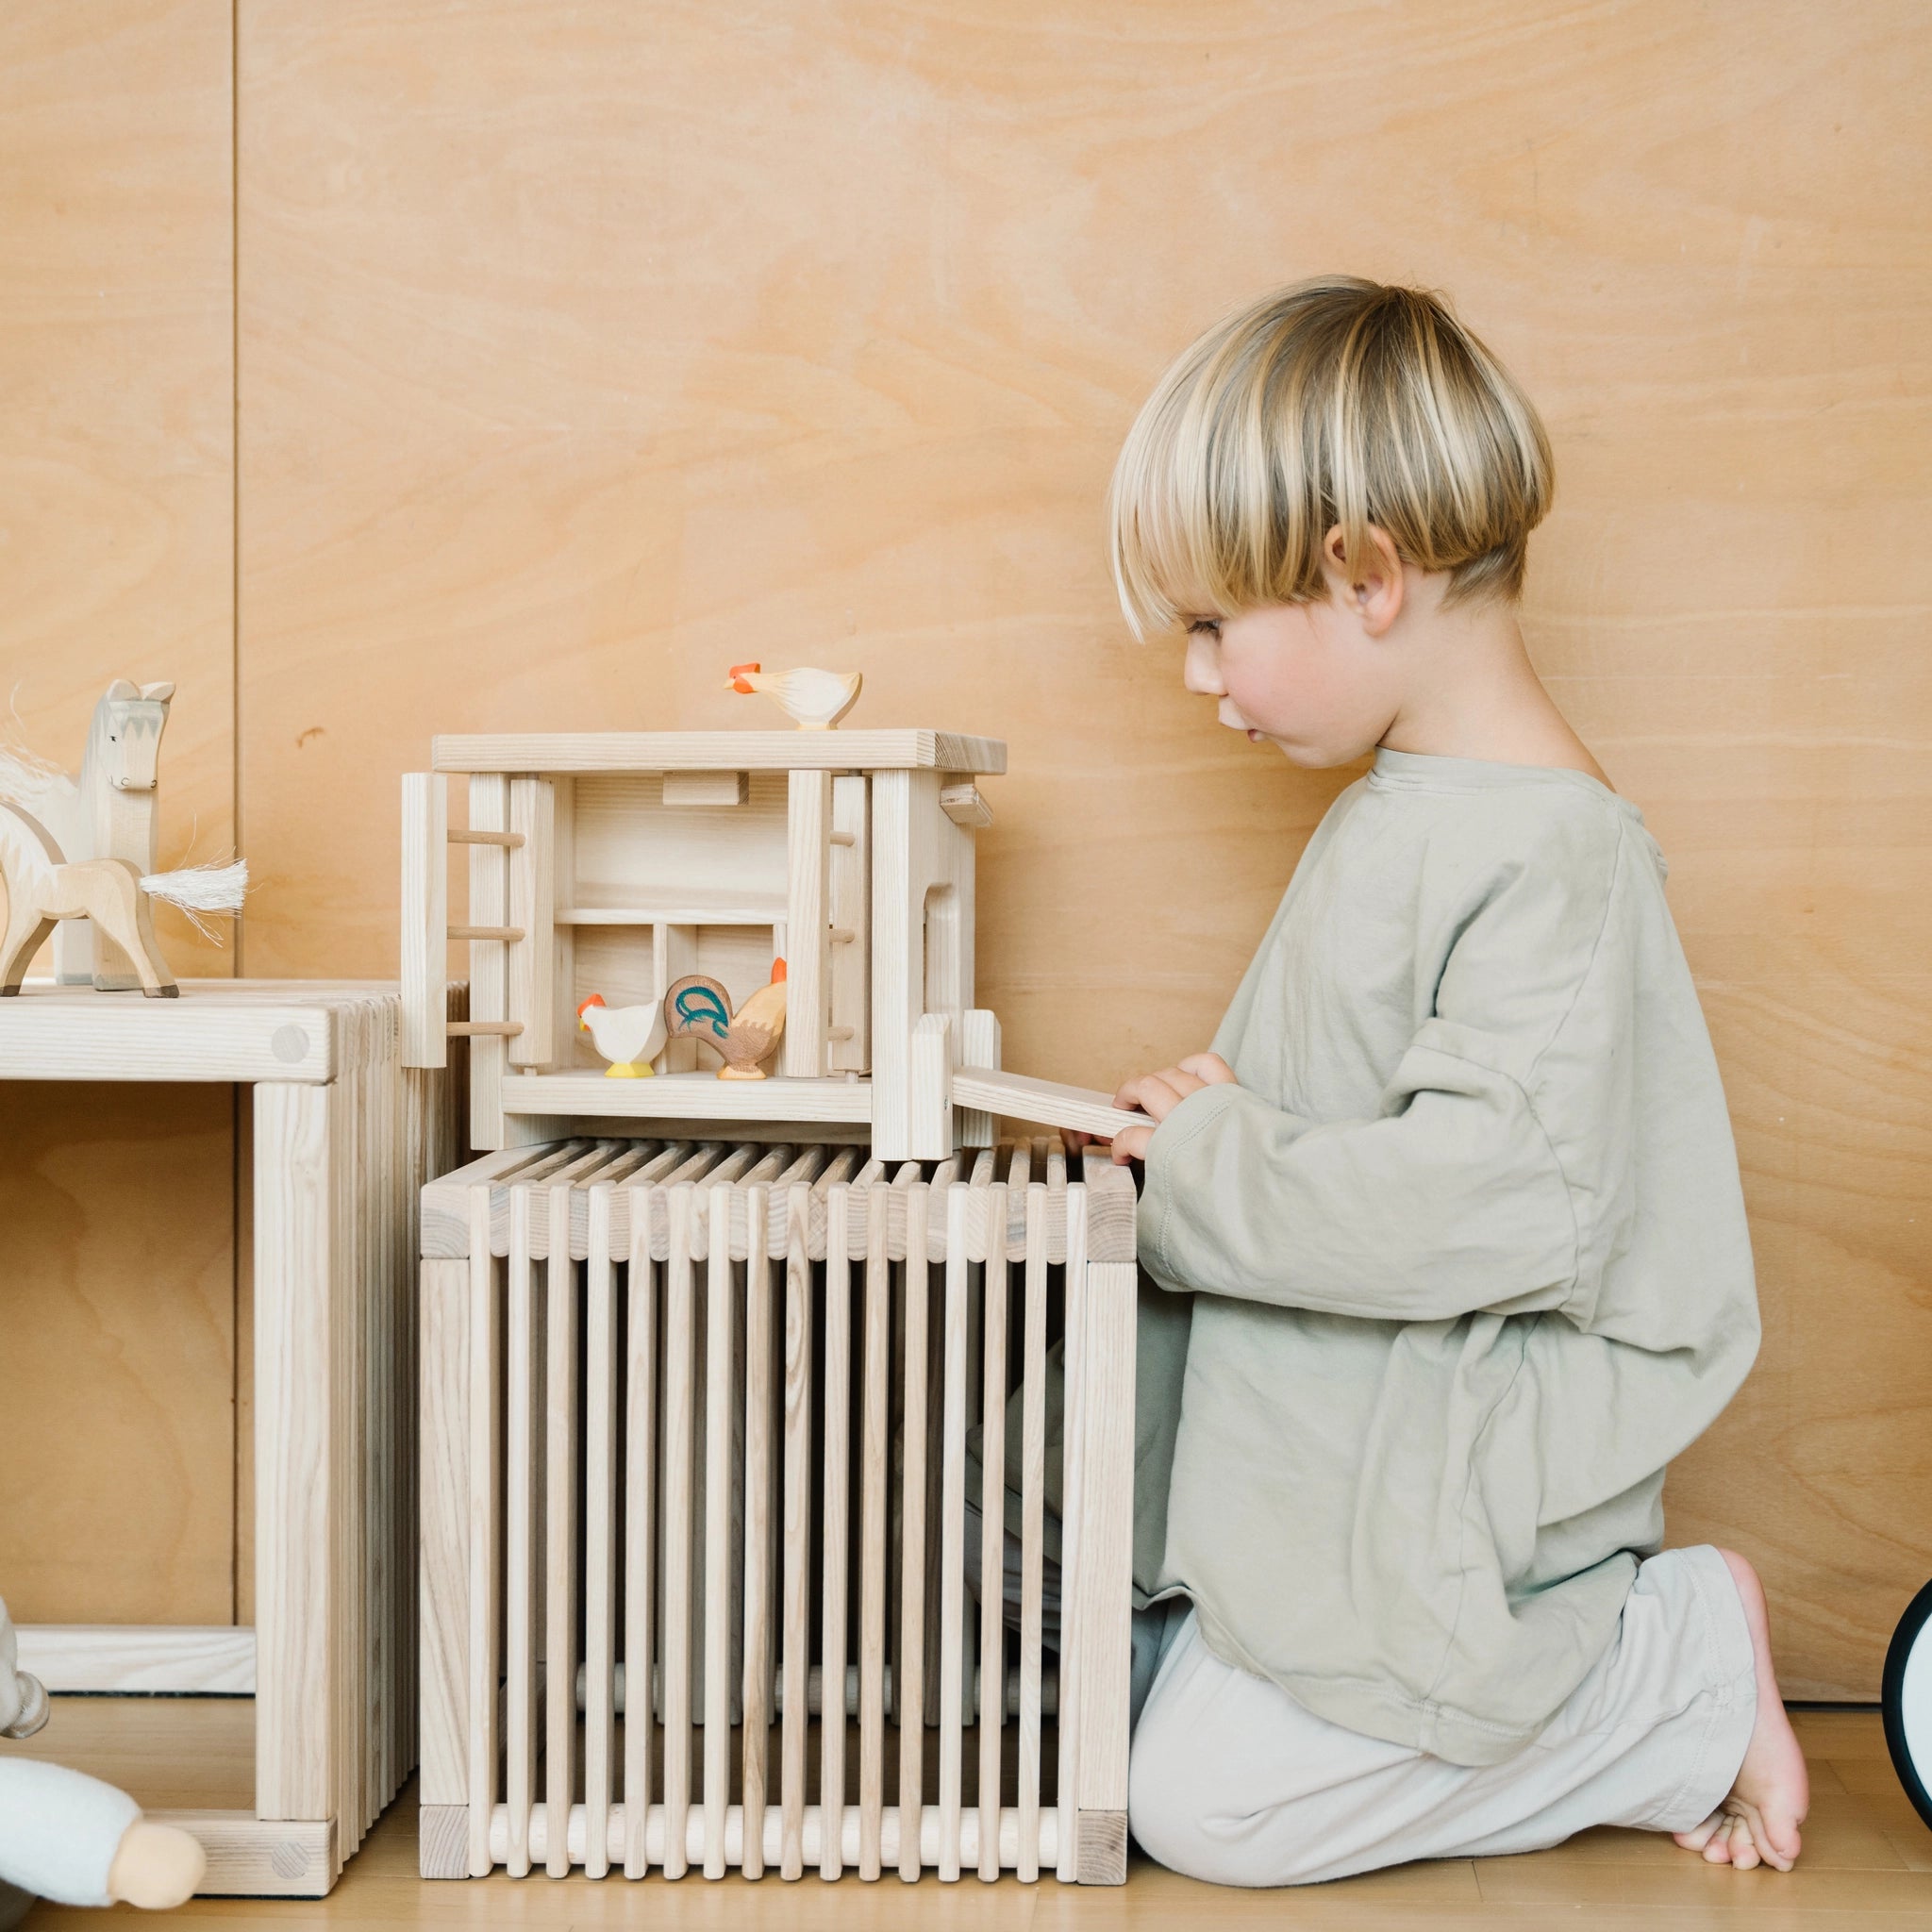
(1908, 1698)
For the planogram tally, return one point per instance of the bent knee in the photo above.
(1177, 1812)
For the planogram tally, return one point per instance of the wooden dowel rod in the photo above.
(486, 932)
(841, 837)
(508, 840)
(498, 1029)
(843, 935)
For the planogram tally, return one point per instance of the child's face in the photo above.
(1306, 677)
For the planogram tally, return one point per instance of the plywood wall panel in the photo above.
(116, 396)
(117, 559)
(117, 1430)
(586, 351)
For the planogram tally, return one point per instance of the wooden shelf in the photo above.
(689, 1096)
(720, 751)
(769, 914)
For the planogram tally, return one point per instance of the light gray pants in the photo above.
(1230, 1780)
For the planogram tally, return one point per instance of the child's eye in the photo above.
(1204, 626)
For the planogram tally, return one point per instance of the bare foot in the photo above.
(1758, 1823)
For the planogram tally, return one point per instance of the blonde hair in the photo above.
(1335, 402)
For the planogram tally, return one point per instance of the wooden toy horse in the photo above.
(42, 891)
(108, 812)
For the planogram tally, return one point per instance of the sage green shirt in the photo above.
(1464, 1255)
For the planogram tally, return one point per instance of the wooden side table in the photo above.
(345, 1137)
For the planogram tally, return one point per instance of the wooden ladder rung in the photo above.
(843, 935)
(841, 837)
(498, 1029)
(486, 932)
(510, 841)
(839, 1032)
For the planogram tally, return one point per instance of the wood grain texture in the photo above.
(822, 327)
(118, 1429)
(1868, 1863)
(116, 559)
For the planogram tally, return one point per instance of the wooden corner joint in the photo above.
(1100, 1851)
(443, 1842)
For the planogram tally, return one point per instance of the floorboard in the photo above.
(1867, 1865)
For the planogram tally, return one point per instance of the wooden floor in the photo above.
(1868, 1864)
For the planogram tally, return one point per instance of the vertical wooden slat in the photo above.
(520, 1480)
(1032, 1528)
(720, 1311)
(600, 1526)
(677, 1528)
(874, 1460)
(639, 1527)
(560, 1538)
(532, 913)
(1072, 1559)
(798, 1521)
(992, 1548)
(486, 1562)
(849, 887)
(837, 1513)
(448, 1307)
(808, 928)
(909, 1115)
(953, 1533)
(350, 1487)
(425, 919)
(488, 970)
(910, 1681)
(1106, 1557)
(758, 1526)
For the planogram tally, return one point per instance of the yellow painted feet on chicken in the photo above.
(620, 1069)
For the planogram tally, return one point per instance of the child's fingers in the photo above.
(1210, 1069)
(1130, 1143)
(1157, 1094)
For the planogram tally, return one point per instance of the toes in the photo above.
(1718, 1850)
(1699, 1834)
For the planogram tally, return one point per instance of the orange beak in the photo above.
(596, 999)
(739, 674)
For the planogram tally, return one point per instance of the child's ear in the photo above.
(1374, 591)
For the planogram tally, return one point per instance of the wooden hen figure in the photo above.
(698, 1007)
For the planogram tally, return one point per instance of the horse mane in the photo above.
(27, 777)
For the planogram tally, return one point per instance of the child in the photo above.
(1452, 1203)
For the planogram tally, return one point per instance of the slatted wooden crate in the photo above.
(708, 1405)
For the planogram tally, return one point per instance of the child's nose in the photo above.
(1201, 668)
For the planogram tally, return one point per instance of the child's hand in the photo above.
(1157, 1095)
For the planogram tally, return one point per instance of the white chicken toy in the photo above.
(814, 700)
(630, 1038)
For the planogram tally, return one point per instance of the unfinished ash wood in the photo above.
(613, 866)
(345, 1138)
(810, 1337)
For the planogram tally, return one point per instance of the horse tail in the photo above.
(199, 888)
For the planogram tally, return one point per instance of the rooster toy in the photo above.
(630, 1038)
(699, 1008)
(814, 700)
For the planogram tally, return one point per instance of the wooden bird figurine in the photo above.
(699, 1007)
(815, 700)
(630, 1038)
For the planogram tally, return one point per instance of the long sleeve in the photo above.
(1492, 1175)
(1471, 1260)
